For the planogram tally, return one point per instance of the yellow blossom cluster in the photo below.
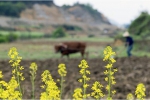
(78, 94)
(84, 72)
(130, 96)
(62, 70)
(109, 55)
(97, 92)
(8, 90)
(1, 75)
(14, 56)
(15, 60)
(140, 91)
(109, 72)
(33, 68)
(52, 92)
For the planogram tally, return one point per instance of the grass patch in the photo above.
(86, 39)
(24, 34)
(44, 48)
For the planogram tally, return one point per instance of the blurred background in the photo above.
(47, 22)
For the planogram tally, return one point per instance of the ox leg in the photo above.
(82, 54)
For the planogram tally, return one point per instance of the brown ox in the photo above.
(66, 48)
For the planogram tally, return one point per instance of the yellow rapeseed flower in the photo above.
(130, 96)
(21, 68)
(140, 91)
(83, 64)
(5, 94)
(4, 83)
(9, 90)
(85, 85)
(78, 95)
(97, 92)
(51, 89)
(84, 72)
(62, 70)
(108, 54)
(109, 72)
(1, 75)
(15, 60)
(13, 93)
(33, 67)
(109, 66)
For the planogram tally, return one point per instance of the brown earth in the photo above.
(131, 71)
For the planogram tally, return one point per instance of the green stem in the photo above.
(109, 83)
(18, 80)
(33, 87)
(61, 88)
(98, 97)
(84, 82)
(1, 88)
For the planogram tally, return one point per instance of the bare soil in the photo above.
(131, 71)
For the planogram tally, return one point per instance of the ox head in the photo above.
(59, 47)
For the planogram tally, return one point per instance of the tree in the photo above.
(140, 26)
(59, 32)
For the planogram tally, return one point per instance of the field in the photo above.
(131, 71)
(44, 48)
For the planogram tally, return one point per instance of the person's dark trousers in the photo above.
(129, 50)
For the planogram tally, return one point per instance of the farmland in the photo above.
(41, 51)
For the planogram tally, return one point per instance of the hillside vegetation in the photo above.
(140, 26)
(79, 20)
(14, 8)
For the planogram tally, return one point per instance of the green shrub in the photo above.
(3, 39)
(8, 38)
(120, 37)
(59, 32)
(140, 26)
(11, 37)
(91, 35)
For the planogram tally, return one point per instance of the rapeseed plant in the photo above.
(130, 96)
(13, 94)
(78, 95)
(1, 75)
(97, 92)
(15, 60)
(84, 72)
(3, 93)
(62, 72)
(52, 92)
(33, 69)
(8, 90)
(140, 91)
(109, 72)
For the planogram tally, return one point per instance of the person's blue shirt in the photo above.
(129, 40)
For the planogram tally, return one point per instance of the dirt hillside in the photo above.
(46, 19)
